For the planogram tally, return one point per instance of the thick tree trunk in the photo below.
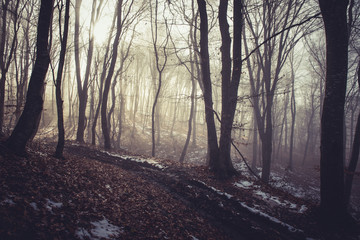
(230, 83)
(332, 202)
(27, 125)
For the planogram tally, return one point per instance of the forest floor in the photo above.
(94, 194)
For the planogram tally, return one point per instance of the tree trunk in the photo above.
(230, 83)
(332, 202)
(213, 149)
(293, 115)
(59, 102)
(2, 63)
(160, 68)
(27, 125)
(354, 155)
(83, 86)
(255, 143)
(349, 176)
(193, 86)
(104, 125)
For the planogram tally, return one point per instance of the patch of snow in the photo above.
(41, 154)
(303, 208)
(104, 229)
(49, 205)
(34, 206)
(76, 144)
(109, 187)
(295, 191)
(261, 194)
(267, 197)
(82, 234)
(137, 159)
(101, 230)
(241, 167)
(273, 219)
(244, 184)
(254, 210)
(229, 196)
(8, 201)
(194, 238)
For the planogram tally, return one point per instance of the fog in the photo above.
(282, 78)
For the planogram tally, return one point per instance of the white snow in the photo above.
(101, 230)
(244, 184)
(303, 208)
(137, 159)
(253, 210)
(214, 189)
(109, 187)
(34, 206)
(82, 234)
(8, 201)
(274, 219)
(49, 205)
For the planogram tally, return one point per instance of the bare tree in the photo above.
(159, 48)
(27, 124)
(83, 85)
(6, 59)
(59, 101)
(275, 20)
(213, 149)
(104, 125)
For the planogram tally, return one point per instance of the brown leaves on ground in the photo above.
(88, 191)
(46, 198)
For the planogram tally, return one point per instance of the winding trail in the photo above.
(221, 209)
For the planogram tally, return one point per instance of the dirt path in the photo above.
(218, 208)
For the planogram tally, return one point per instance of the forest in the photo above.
(240, 118)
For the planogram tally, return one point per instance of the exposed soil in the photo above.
(46, 198)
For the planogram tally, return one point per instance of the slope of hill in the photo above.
(93, 194)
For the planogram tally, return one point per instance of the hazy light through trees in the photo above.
(152, 93)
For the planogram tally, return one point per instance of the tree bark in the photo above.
(349, 176)
(160, 68)
(83, 86)
(6, 60)
(104, 125)
(27, 125)
(59, 102)
(213, 149)
(193, 86)
(293, 115)
(332, 202)
(230, 82)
